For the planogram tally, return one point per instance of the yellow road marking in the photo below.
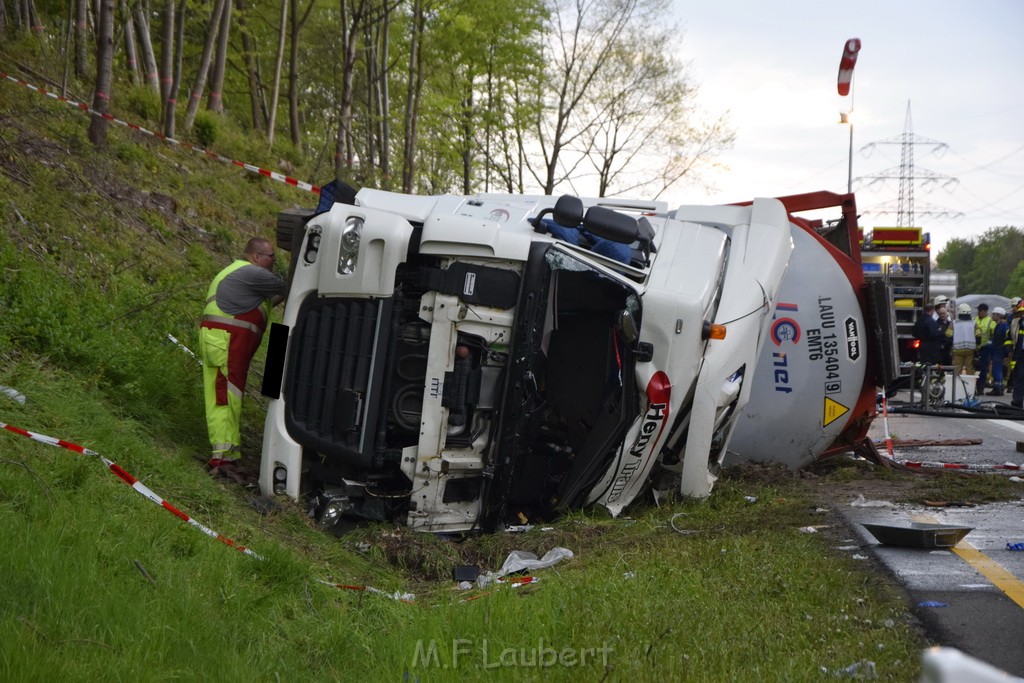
(985, 565)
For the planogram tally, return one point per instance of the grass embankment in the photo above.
(96, 268)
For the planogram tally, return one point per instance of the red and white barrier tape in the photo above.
(131, 481)
(981, 467)
(273, 175)
(401, 597)
(148, 493)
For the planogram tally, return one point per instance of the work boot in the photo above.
(996, 391)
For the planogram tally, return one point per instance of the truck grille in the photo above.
(330, 361)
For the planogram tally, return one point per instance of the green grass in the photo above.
(94, 275)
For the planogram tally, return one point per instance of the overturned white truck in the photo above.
(464, 363)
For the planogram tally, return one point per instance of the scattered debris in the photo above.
(808, 529)
(932, 603)
(949, 503)
(629, 575)
(465, 573)
(1015, 546)
(936, 442)
(919, 535)
(1016, 479)
(397, 595)
(14, 394)
(750, 499)
(138, 565)
(861, 502)
(689, 532)
(265, 505)
(520, 560)
(864, 669)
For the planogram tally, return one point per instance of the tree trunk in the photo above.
(166, 55)
(172, 97)
(385, 100)
(276, 91)
(145, 44)
(104, 62)
(212, 27)
(81, 39)
(353, 15)
(16, 4)
(293, 70)
(215, 99)
(412, 98)
(33, 18)
(372, 97)
(131, 50)
(251, 71)
(467, 141)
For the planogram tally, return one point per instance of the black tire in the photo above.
(290, 223)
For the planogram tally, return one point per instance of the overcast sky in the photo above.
(773, 66)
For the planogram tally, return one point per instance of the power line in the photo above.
(908, 176)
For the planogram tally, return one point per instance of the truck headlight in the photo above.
(348, 254)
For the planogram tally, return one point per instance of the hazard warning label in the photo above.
(833, 411)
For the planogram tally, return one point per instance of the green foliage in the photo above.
(205, 128)
(989, 264)
(1015, 287)
(141, 103)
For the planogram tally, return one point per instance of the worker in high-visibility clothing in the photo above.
(984, 326)
(237, 306)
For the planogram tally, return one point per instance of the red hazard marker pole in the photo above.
(885, 422)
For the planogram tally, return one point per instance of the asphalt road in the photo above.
(970, 596)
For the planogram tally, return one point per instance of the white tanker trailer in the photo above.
(457, 363)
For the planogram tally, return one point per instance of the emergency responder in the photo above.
(1016, 311)
(233, 323)
(1000, 337)
(1017, 400)
(928, 334)
(923, 331)
(940, 303)
(984, 326)
(964, 342)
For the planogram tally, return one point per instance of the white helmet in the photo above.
(1014, 302)
(999, 310)
(940, 300)
(963, 309)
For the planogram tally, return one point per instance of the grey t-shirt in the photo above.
(246, 288)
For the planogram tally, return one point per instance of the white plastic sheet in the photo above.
(520, 560)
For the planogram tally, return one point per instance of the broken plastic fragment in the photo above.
(1015, 546)
(13, 394)
(932, 603)
(864, 669)
(861, 502)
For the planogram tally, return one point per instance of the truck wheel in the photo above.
(289, 223)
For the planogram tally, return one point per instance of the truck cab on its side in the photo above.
(460, 363)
